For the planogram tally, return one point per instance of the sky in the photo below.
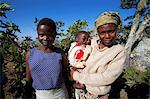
(67, 11)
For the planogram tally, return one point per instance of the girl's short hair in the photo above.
(47, 22)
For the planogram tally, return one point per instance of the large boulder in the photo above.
(140, 56)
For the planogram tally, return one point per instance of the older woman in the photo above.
(105, 64)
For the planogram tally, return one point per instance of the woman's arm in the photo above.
(113, 71)
(28, 75)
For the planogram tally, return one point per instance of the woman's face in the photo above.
(107, 34)
(46, 35)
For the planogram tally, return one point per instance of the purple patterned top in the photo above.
(46, 69)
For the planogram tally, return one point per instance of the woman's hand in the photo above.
(72, 70)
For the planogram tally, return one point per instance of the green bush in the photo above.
(135, 77)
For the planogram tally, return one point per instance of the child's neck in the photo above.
(45, 49)
(82, 44)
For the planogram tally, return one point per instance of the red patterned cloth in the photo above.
(78, 44)
(79, 54)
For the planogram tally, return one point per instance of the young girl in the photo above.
(46, 64)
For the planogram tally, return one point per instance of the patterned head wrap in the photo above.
(108, 17)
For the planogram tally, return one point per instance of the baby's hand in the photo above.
(73, 68)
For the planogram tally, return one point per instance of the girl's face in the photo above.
(46, 35)
(107, 34)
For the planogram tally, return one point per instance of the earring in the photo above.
(98, 42)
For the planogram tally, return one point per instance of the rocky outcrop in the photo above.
(140, 56)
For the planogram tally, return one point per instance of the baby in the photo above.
(79, 52)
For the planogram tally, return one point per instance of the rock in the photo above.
(140, 56)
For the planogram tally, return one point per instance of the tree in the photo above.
(14, 54)
(140, 22)
(136, 34)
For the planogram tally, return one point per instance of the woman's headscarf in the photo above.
(109, 17)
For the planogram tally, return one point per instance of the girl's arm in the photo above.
(64, 64)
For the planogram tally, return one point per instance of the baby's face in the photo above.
(83, 38)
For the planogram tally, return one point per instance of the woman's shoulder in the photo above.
(119, 48)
